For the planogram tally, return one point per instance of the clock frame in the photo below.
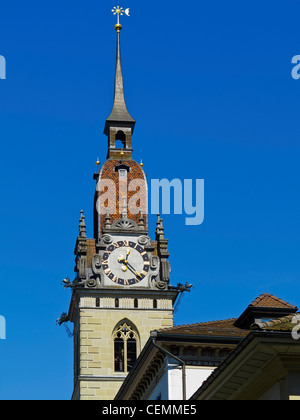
(110, 272)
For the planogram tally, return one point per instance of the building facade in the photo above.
(253, 357)
(266, 364)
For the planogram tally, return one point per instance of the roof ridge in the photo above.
(269, 295)
(196, 324)
(275, 322)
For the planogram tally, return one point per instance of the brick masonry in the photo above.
(108, 172)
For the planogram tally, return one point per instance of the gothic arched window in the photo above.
(125, 347)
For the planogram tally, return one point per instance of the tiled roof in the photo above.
(269, 301)
(224, 328)
(231, 328)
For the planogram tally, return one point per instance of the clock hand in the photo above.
(133, 270)
(136, 273)
(127, 255)
(127, 265)
(124, 259)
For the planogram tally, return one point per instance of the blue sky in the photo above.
(210, 86)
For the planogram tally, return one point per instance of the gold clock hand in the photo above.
(127, 255)
(133, 270)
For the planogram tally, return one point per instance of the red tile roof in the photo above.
(213, 328)
(229, 327)
(269, 301)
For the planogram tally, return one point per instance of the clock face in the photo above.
(125, 263)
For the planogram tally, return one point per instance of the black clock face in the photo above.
(125, 263)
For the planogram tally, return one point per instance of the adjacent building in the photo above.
(255, 356)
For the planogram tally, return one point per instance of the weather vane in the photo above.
(120, 11)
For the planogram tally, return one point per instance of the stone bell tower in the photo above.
(121, 288)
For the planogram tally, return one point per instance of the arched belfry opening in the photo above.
(121, 136)
(120, 141)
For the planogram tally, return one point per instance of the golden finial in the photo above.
(141, 163)
(98, 164)
(119, 11)
(122, 153)
(118, 28)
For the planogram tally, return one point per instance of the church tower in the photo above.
(121, 289)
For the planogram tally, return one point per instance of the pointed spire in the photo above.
(119, 112)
